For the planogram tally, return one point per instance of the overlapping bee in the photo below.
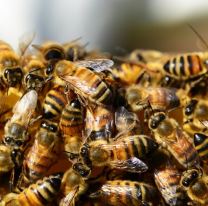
(123, 153)
(167, 133)
(16, 129)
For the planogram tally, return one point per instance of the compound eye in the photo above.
(162, 117)
(139, 58)
(185, 183)
(7, 71)
(19, 143)
(84, 151)
(49, 70)
(8, 140)
(195, 174)
(154, 125)
(53, 128)
(189, 110)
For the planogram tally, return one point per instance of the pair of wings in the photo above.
(69, 199)
(24, 108)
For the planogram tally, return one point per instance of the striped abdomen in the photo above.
(54, 102)
(92, 86)
(129, 147)
(41, 193)
(201, 146)
(183, 150)
(163, 98)
(120, 193)
(184, 66)
(71, 121)
(99, 126)
(169, 185)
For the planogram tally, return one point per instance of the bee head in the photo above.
(13, 76)
(188, 178)
(156, 119)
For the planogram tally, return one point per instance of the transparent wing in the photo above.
(205, 123)
(125, 121)
(79, 84)
(25, 40)
(98, 65)
(72, 42)
(24, 108)
(164, 178)
(68, 200)
(133, 164)
(88, 124)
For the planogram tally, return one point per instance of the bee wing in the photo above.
(24, 108)
(124, 120)
(25, 40)
(68, 200)
(79, 84)
(89, 120)
(159, 92)
(98, 65)
(161, 178)
(72, 42)
(131, 165)
(205, 123)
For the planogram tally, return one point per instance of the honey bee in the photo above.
(10, 159)
(74, 51)
(166, 179)
(40, 194)
(167, 133)
(99, 123)
(71, 125)
(73, 184)
(200, 144)
(195, 184)
(54, 102)
(51, 50)
(33, 73)
(16, 129)
(121, 193)
(127, 123)
(43, 152)
(138, 98)
(194, 111)
(82, 80)
(122, 154)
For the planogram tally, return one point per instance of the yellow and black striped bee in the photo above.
(85, 83)
(139, 98)
(54, 102)
(194, 112)
(195, 184)
(71, 125)
(73, 184)
(201, 146)
(16, 129)
(123, 153)
(51, 50)
(40, 194)
(167, 133)
(42, 154)
(119, 193)
(99, 123)
(166, 178)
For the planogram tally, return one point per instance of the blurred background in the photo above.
(152, 24)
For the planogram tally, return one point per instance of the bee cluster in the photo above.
(79, 128)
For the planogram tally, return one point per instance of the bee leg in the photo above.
(11, 181)
(97, 178)
(140, 77)
(19, 182)
(75, 55)
(35, 120)
(66, 92)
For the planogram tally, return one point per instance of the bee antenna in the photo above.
(175, 108)
(70, 153)
(174, 174)
(198, 35)
(122, 50)
(86, 44)
(151, 107)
